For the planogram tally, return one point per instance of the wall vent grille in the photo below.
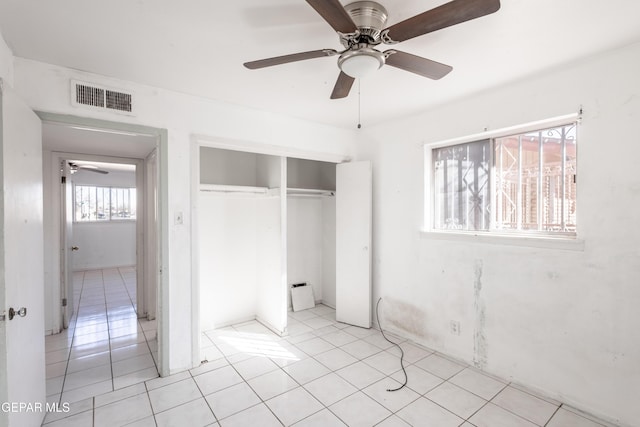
(87, 95)
(91, 95)
(118, 101)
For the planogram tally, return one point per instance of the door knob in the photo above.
(21, 312)
(74, 248)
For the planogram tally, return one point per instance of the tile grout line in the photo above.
(106, 308)
(552, 415)
(73, 338)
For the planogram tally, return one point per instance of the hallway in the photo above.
(106, 346)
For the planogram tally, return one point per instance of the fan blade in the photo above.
(343, 86)
(417, 64)
(335, 15)
(452, 13)
(97, 171)
(285, 59)
(93, 169)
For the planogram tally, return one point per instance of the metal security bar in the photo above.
(523, 183)
(462, 186)
(535, 180)
(94, 204)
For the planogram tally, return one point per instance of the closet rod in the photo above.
(215, 188)
(309, 192)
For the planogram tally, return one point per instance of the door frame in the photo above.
(199, 141)
(66, 235)
(140, 223)
(162, 231)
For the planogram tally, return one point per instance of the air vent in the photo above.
(118, 101)
(96, 96)
(87, 95)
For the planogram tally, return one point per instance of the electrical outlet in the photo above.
(454, 327)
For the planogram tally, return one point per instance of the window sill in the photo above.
(105, 221)
(563, 243)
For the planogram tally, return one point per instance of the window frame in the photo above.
(109, 190)
(492, 234)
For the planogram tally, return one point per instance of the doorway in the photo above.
(85, 144)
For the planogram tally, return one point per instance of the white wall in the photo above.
(46, 88)
(561, 321)
(225, 167)
(6, 62)
(311, 246)
(304, 244)
(113, 178)
(228, 259)
(240, 270)
(104, 244)
(311, 174)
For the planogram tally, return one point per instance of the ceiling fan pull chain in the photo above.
(359, 106)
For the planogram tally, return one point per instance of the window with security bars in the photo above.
(95, 204)
(516, 183)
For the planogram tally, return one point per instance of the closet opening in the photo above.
(263, 223)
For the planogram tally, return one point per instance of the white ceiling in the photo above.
(82, 140)
(199, 46)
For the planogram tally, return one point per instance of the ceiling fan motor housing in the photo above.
(370, 18)
(361, 58)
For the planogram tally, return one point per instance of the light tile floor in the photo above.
(106, 347)
(323, 374)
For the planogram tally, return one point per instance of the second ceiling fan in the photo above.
(361, 28)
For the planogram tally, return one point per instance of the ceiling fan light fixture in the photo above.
(361, 62)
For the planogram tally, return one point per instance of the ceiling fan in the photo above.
(360, 27)
(75, 167)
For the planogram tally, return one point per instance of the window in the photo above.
(522, 183)
(93, 204)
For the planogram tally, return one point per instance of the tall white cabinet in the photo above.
(266, 222)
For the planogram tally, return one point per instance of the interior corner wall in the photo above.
(45, 87)
(563, 322)
(6, 61)
(305, 260)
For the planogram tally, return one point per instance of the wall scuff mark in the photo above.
(479, 337)
(405, 317)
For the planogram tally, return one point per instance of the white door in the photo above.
(66, 287)
(22, 361)
(353, 243)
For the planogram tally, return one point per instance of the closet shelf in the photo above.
(217, 188)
